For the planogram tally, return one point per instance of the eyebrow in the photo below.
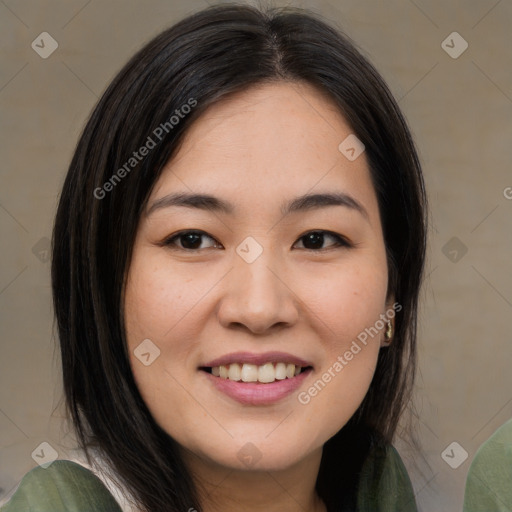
(302, 203)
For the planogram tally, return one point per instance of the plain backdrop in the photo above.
(459, 107)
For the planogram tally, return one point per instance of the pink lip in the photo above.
(258, 359)
(254, 393)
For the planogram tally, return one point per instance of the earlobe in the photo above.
(389, 330)
(388, 334)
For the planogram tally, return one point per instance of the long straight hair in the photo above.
(198, 61)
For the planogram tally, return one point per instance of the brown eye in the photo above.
(314, 240)
(188, 240)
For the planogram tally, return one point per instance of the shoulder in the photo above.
(500, 443)
(385, 485)
(489, 480)
(62, 486)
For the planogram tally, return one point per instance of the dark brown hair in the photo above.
(205, 57)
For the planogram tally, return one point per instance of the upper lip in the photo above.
(257, 359)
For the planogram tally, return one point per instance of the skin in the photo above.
(257, 149)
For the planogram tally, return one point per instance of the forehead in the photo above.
(288, 117)
(271, 141)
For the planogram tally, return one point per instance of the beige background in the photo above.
(460, 112)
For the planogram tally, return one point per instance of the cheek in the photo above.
(156, 305)
(347, 299)
(155, 302)
(157, 298)
(336, 393)
(347, 306)
(342, 381)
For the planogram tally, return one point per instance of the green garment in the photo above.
(64, 486)
(393, 491)
(489, 481)
(67, 486)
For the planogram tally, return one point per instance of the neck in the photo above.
(227, 490)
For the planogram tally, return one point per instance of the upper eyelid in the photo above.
(186, 231)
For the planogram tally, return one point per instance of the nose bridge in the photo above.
(257, 296)
(256, 278)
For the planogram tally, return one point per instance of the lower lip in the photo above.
(254, 393)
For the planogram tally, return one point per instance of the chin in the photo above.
(242, 454)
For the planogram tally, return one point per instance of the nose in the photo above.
(257, 297)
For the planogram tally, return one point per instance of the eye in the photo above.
(189, 240)
(315, 239)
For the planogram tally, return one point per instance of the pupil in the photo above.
(190, 238)
(316, 238)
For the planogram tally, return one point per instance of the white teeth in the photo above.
(235, 372)
(249, 373)
(280, 371)
(265, 373)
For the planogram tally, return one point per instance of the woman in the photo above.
(268, 368)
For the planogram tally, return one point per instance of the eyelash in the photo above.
(169, 242)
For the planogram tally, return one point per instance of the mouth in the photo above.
(256, 379)
(266, 373)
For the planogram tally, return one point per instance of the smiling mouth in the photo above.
(263, 374)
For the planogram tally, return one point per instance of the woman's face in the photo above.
(263, 286)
